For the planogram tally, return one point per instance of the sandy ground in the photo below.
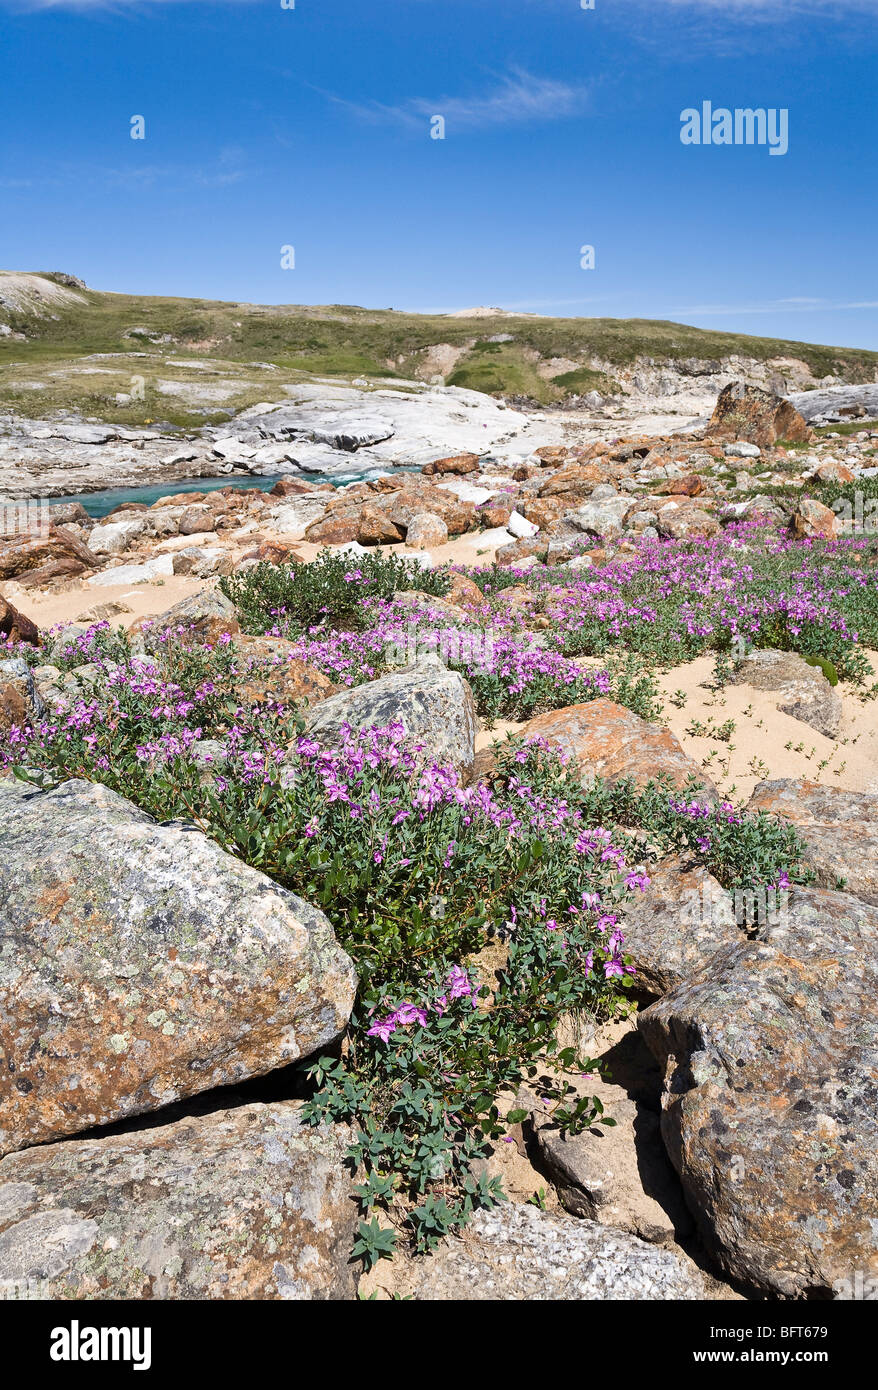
(140, 601)
(764, 744)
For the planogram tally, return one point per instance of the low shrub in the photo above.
(335, 586)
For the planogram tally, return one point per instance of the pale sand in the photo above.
(477, 548)
(757, 751)
(143, 600)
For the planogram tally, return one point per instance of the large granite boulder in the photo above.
(769, 1110)
(434, 705)
(140, 963)
(607, 740)
(840, 829)
(248, 1203)
(519, 1253)
(748, 412)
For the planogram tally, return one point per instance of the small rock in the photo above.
(518, 1253)
(813, 519)
(425, 530)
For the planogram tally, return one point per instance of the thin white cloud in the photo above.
(794, 304)
(773, 7)
(230, 167)
(518, 98)
(87, 6)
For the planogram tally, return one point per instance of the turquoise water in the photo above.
(100, 503)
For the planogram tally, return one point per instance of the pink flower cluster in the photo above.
(457, 985)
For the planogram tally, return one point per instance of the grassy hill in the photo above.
(62, 323)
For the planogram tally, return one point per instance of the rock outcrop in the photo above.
(769, 1111)
(802, 690)
(249, 1203)
(519, 1253)
(840, 829)
(607, 740)
(139, 964)
(675, 926)
(748, 412)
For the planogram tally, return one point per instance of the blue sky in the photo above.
(310, 127)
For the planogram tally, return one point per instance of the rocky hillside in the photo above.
(134, 359)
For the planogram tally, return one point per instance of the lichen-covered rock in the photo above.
(425, 530)
(115, 537)
(140, 963)
(519, 1253)
(434, 705)
(247, 1203)
(769, 1111)
(376, 528)
(463, 591)
(602, 518)
(802, 690)
(455, 463)
(682, 517)
(619, 1174)
(840, 829)
(58, 550)
(676, 924)
(205, 616)
(813, 519)
(271, 673)
(607, 740)
(747, 412)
